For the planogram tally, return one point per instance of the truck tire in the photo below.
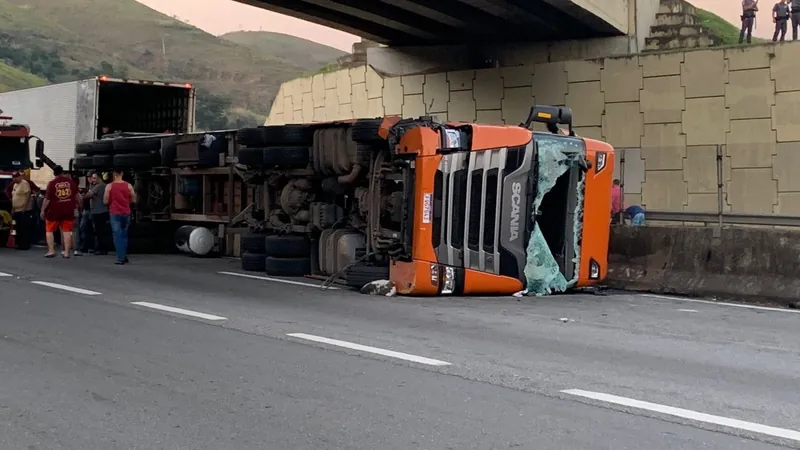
(288, 135)
(287, 156)
(253, 243)
(103, 146)
(253, 262)
(287, 246)
(251, 137)
(366, 131)
(359, 274)
(135, 160)
(103, 161)
(287, 267)
(83, 162)
(252, 157)
(84, 148)
(137, 144)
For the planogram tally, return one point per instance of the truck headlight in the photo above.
(594, 270)
(601, 159)
(449, 281)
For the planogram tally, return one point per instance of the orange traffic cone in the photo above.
(12, 236)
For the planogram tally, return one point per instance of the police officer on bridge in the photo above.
(749, 9)
(780, 16)
(795, 16)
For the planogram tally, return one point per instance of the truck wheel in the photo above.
(253, 243)
(287, 267)
(137, 144)
(287, 246)
(83, 162)
(103, 161)
(287, 156)
(366, 130)
(251, 137)
(84, 148)
(288, 135)
(135, 160)
(359, 274)
(252, 157)
(253, 262)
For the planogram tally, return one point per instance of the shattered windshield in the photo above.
(14, 153)
(556, 156)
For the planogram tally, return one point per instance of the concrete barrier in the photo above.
(741, 264)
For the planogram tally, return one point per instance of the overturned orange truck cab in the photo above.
(502, 209)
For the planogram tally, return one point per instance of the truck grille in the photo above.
(469, 208)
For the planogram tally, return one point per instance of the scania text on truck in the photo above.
(437, 208)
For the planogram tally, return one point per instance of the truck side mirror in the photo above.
(39, 151)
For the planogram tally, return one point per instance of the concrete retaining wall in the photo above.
(741, 264)
(668, 111)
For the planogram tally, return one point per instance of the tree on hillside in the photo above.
(211, 111)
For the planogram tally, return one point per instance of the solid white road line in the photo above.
(687, 414)
(175, 310)
(279, 280)
(711, 302)
(64, 287)
(3, 274)
(368, 349)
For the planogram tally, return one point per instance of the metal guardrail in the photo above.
(720, 218)
(724, 218)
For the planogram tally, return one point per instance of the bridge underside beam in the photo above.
(442, 22)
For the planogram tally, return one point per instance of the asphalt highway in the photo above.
(173, 352)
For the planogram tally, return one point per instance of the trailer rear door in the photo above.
(144, 106)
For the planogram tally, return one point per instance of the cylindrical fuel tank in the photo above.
(194, 240)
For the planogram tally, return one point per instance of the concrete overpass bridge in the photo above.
(446, 22)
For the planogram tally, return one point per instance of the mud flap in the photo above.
(542, 272)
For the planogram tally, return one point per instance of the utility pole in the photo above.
(164, 60)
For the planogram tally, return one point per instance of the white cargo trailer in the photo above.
(65, 114)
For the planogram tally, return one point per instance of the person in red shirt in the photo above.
(118, 196)
(58, 210)
(616, 201)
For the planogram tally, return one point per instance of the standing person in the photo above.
(21, 206)
(99, 211)
(58, 210)
(780, 17)
(616, 201)
(749, 9)
(119, 196)
(795, 16)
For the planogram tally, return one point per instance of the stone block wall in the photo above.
(666, 112)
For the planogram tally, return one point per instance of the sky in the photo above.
(221, 16)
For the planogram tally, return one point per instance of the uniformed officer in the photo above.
(749, 9)
(780, 16)
(795, 17)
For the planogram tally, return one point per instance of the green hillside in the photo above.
(721, 28)
(309, 55)
(68, 39)
(12, 79)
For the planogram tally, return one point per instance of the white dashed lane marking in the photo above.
(278, 280)
(185, 312)
(3, 274)
(710, 302)
(64, 287)
(368, 349)
(687, 414)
